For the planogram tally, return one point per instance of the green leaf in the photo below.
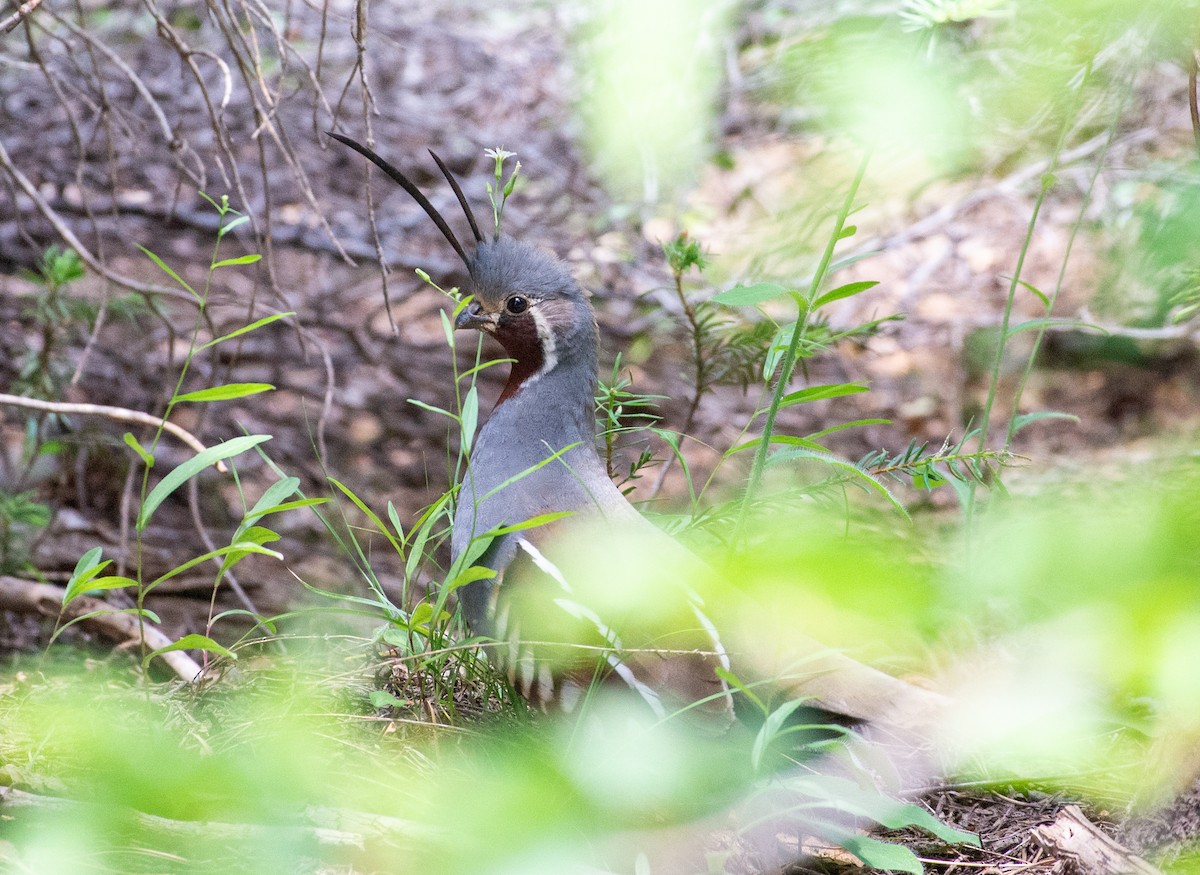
(191, 642)
(238, 546)
(819, 393)
(88, 566)
(423, 529)
(847, 231)
(273, 495)
(370, 514)
(1029, 418)
(858, 423)
(191, 468)
(167, 270)
(928, 478)
(431, 408)
(809, 440)
(137, 447)
(531, 523)
(553, 457)
(857, 474)
(847, 291)
(752, 295)
(1040, 294)
(421, 614)
(225, 229)
(106, 582)
(384, 699)
(1034, 324)
(246, 329)
(104, 612)
(258, 535)
(89, 561)
(845, 795)
(259, 619)
(221, 206)
(843, 263)
(490, 363)
(785, 439)
(241, 259)
(470, 418)
(288, 505)
(469, 575)
(770, 730)
(226, 392)
(882, 855)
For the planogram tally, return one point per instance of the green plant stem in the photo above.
(699, 363)
(789, 359)
(1014, 283)
(139, 540)
(1062, 271)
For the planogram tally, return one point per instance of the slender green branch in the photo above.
(789, 358)
(1114, 124)
(1048, 181)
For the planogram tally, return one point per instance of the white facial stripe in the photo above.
(546, 336)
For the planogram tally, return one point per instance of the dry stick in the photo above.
(138, 85)
(297, 236)
(74, 242)
(1075, 838)
(121, 414)
(265, 115)
(30, 597)
(10, 24)
(368, 101)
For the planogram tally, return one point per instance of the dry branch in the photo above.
(23, 11)
(1075, 838)
(30, 597)
(121, 414)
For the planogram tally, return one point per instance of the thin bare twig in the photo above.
(68, 237)
(23, 11)
(120, 414)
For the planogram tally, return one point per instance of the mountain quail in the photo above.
(536, 455)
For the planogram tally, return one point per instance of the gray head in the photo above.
(523, 297)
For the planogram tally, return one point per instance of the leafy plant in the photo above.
(44, 371)
(623, 412)
(21, 516)
(250, 536)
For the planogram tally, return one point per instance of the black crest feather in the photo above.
(407, 184)
(458, 193)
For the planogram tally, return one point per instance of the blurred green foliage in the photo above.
(1068, 628)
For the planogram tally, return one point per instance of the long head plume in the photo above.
(458, 193)
(405, 183)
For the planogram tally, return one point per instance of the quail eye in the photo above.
(516, 304)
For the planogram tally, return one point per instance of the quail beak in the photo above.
(473, 317)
